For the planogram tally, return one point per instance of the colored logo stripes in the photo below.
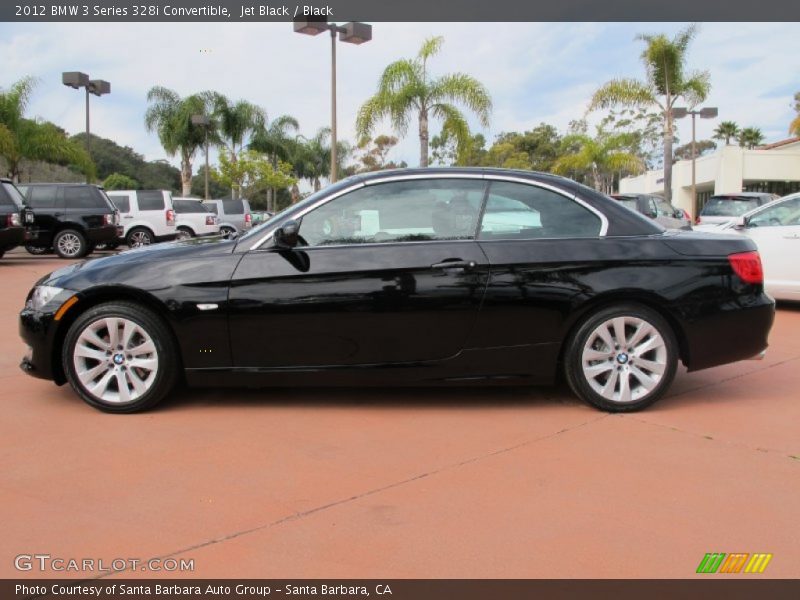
(742, 562)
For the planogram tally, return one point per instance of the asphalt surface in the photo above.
(446, 483)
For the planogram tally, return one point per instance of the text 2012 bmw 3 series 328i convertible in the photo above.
(414, 277)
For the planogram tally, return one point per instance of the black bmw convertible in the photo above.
(412, 277)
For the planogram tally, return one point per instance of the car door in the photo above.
(387, 273)
(776, 232)
(538, 260)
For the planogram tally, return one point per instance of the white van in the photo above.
(194, 218)
(147, 216)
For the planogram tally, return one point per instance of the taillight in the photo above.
(170, 217)
(248, 218)
(747, 265)
(13, 220)
(209, 220)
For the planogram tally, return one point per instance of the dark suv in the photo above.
(70, 218)
(13, 217)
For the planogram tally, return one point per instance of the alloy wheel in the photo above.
(115, 360)
(624, 359)
(69, 244)
(140, 238)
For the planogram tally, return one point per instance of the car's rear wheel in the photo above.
(622, 358)
(70, 243)
(184, 233)
(139, 236)
(120, 357)
(37, 250)
(227, 232)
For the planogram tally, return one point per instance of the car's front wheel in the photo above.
(139, 237)
(120, 357)
(227, 232)
(622, 358)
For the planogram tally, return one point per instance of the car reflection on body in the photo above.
(413, 277)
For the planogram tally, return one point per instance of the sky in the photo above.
(535, 72)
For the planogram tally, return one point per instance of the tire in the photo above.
(125, 382)
(184, 233)
(226, 232)
(621, 376)
(139, 236)
(37, 250)
(70, 243)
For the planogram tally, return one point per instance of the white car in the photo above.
(147, 216)
(234, 215)
(194, 219)
(722, 209)
(775, 228)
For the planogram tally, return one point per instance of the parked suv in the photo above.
(147, 216)
(70, 218)
(13, 217)
(194, 218)
(657, 208)
(724, 208)
(234, 215)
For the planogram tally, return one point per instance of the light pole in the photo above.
(204, 122)
(352, 33)
(98, 87)
(710, 112)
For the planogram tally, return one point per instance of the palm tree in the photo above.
(750, 137)
(171, 117)
(311, 159)
(276, 142)
(666, 82)
(602, 156)
(794, 126)
(406, 87)
(726, 130)
(31, 139)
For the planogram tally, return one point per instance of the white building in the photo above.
(771, 168)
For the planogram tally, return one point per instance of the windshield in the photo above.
(728, 207)
(627, 202)
(266, 225)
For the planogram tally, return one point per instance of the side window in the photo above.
(211, 206)
(665, 209)
(150, 200)
(81, 197)
(123, 203)
(233, 207)
(519, 211)
(42, 196)
(403, 211)
(784, 214)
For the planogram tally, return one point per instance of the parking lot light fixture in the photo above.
(351, 33)
(98, 87)
(709, 112)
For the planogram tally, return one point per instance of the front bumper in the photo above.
(38, 330)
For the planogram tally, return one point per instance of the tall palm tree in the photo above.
(276, 142)
(170, 116)
(31, 139)
(794, 126)
(406, 87)
(750, 137)
(727, 130)
(311, 158)
(602, 156)
(666, 83)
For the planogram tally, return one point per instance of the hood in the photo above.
(148, 267)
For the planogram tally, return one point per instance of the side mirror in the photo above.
(287, 235)
(740, 223)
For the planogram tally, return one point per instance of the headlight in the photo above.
(42, 294)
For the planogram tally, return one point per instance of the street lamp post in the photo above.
(204, 122)
(352, 33)
(98, 87)
(710, 112)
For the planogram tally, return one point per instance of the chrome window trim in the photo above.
(483, 176)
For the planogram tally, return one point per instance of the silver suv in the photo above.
(234, 216)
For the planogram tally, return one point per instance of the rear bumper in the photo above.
(737, 330)
(99, 235)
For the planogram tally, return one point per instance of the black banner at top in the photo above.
(399, 10)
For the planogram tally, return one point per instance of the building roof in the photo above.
(786, 142)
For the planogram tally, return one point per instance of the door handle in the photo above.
(455, 263)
